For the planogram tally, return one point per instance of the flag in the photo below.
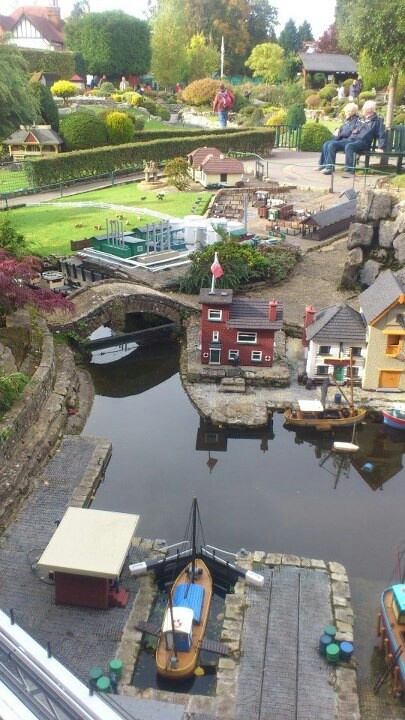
(216, 269)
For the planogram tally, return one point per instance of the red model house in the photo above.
(238, 332)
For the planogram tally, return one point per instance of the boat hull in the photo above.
(187, 661)
(391, 632)
(345, 447)
(324, 421)
(393, 421)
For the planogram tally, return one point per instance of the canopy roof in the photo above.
(310, 405)
(328, 62)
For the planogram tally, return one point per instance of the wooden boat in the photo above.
(396, 416)
(311, 413)
(391, 630)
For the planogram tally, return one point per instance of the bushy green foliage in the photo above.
(176, 171)
(257, 117)
(296, 116)
(367, 95)
(120, 129)
(400, 90)
(241, 264)
(47, 105)
(60, 63)
(82, 130)
(377, 77)
(294, 93)
(133, 98)
(64, 89)
(10, 239)
(312, 101)
(106, 89)
(162, 112)
(328, 92)
(147, 103)
(313, 136)
(318, 80)
(399, 119)
(247, 110)
(200, 92)
(278, 118)
(11, 387)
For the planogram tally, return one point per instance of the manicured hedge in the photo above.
(61, 63)
(98, 161)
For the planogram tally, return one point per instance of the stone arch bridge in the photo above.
(108, 302)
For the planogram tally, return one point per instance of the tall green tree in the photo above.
(18, 102)
(80, 8)
(47, 105)
(262, 22)
(305, 32)
(111, 43)
(266, 61)
(383, 38)
(168, 42)
(203, 59)
(289, 38)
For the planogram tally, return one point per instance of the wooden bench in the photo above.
(394, 147)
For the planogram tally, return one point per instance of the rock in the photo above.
(401, 275)
(386, 233)
(398, 208)
(399, 248)
(360, 235)
(356, 256)
(373, 205)
(381, 255)
(369, 272)
(399, 224)
(350, 275)
(7, 362)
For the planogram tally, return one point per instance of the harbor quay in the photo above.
(275, 668)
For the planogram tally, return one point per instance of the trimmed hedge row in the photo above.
(61, 63)
(98, 161)
(158, 134)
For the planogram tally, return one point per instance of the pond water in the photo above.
(266, 490)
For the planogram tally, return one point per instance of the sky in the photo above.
(319, 13)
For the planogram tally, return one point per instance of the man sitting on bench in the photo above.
(370, 128)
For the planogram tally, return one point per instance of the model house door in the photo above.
(215, 356)
(339, 373)
(390, 378)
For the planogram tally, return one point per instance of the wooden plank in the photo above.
(148, 627)
(214, 646)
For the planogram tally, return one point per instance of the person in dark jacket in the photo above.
(354, 90)
(331, 147)
(369, 128)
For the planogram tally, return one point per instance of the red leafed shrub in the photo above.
(17, 290)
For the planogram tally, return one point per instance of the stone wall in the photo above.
(376, 239)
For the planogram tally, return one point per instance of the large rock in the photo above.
(356, 257)
(399, 248)
(386, 233)
(352, 267)
(7, 362)
(360, 235)
(369, 272)
(398, 208)
(373, 205)
(399, 224)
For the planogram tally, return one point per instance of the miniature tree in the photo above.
(64, 89)
(177, 173)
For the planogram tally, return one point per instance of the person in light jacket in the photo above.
(331, 147)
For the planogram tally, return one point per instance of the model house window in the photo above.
(233, 354)
(215, 336)
(356, 351)
(322, 370)
(211, 438)
(324, 350)
(223, 177)
(256, 356)
(248, 338)
(393, 345)
(214, 314)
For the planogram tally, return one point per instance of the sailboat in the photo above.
(313, 413)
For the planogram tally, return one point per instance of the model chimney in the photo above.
(308, 320)
(273, 310)
(53, 14)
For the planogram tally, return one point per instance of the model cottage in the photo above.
(238, 332)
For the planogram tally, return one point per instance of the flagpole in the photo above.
(212, 291)
(222, 56)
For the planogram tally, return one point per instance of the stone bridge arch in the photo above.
(108, 302)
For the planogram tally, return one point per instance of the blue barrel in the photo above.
(324, 641)
(338, 398)
(346, 651)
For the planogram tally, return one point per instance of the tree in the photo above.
(10, 239)
(289, 38)
(202, 59)
(120, 129)
(80, 8)
(18, 102)
(328, 42)
(47, 105)
(261, 23)
(111, 43)
(176, 171)
(266, 61)
(305, 32)
(64, 89)
(16, 290)
(383, 38)
(168, 42)
(291, 68)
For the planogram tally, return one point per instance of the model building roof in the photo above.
(379, 297)
(253, 314)
(332, 215)
(337, 323)
(197, 156)
(221, 164)
(218, 297)
(43, 135)
(328, 62)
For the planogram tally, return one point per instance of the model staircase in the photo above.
(232, 385)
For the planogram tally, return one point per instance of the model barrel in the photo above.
(330, 630)
(346, 651)
(333, 653)
(94, 674)
(104, 684)
(324, 641)
(115, 666)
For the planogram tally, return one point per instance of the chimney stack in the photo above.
(308, 320)
(273, 310)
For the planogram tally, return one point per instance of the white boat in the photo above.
(346, 447)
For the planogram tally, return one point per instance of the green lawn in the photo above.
(49, 230)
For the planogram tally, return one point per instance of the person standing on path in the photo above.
(223, 102)
(331, 147)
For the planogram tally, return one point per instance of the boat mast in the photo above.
(351, 378)
(194, 540)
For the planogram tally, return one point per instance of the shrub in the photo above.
(400, 91)
(200, 92)
(132, 98)
(318, 80)
(294, 93)
(81, 131)
(47, 105)
(278, 118)
(247, 110)
(240, 101)
(148, 104)
(328, 92)
(64, 89)
(313, 136)
(163, 112)
(120, 129)
(106, 89)
(117, 97)
(257, 118)
(312, 101)
(367, 95)
(10, 388)
(328, 109)
(138, 122)
(399, 119)
(296, 116)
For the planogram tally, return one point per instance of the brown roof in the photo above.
(50, 29)
(221, 296)
(6, 23)
(253, 314)
(221, 165)
(198, 155)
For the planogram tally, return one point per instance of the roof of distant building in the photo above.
(332, 215)
(43, 134)
(328, 62)
(337, 323)
(253, 314)
(379, 297)
(220, 296)
(221, 164)
(50, 29)
(198, 155)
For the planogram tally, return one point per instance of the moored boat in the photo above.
(391, 630)
(311, 413)
(395, 417)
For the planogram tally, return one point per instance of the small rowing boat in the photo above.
(396, 416)
(391, 630)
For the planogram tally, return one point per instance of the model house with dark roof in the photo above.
(35, 27)
(208, 166)
(383, 307)
(334, 220)
(336, 67)
(330, 334)
(238, 331)
(36, 140)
